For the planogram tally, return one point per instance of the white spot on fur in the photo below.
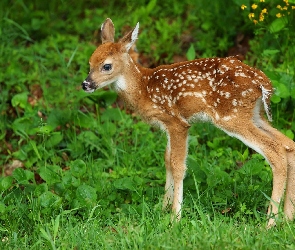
(227, 118)
(240, 74)
(227, 95)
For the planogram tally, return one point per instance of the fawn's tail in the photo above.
(266, 94)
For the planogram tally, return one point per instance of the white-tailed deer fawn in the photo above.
(223, 91)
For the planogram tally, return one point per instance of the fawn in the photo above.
(223, 91)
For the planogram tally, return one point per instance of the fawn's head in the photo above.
(108, 60)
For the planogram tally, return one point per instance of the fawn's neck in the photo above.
(131, 84)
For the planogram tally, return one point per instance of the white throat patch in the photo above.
(120, 84)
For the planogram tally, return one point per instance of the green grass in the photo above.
(92, 173)
(150, 229)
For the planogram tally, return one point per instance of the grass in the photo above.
(150, 229)
(90, 174)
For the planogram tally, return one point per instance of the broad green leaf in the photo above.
(67, 179)
(59, 188)
(50, 174)
(88, 136)
(207, 25)
(5, 183)
(22, 125)
(125, 183)
(109, 128)
(75, 203)
(191, 53)
(42, 130)
(85, 120)
(278, 24)
(20, 100)
(54, 139)
(78, 168)
(2, 207)
(86, 194)
(111, 114)
(275, 99)
(22, 176)
(48, 199)
(282, 91)
(40, 189)
(58, 117)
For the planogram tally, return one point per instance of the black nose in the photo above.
(84, 85)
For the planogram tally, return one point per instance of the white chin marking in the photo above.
(89, 90)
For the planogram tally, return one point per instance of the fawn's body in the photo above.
(224, 91)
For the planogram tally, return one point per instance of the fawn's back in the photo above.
(221, 88)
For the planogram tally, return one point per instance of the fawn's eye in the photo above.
(107, 67)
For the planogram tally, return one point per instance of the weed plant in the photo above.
(81, 171)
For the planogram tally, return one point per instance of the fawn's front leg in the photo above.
(175, 158)
(169, 186)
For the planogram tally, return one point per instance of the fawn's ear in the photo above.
(107, 31)
(130, 38)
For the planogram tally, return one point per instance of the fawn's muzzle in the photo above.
(88, 85)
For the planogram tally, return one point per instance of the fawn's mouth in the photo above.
(88, 86)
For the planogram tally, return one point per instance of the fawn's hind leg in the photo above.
(263, 142)
(289, 206)
(288, 146)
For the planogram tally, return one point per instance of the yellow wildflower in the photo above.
(255, 22)
(243, 6)
(293, 7)
(262, 1)
(251, 15)
(285, 8)
(279, 15)
(254, 6)
(261, 17)
(279, 7)
(264, 11)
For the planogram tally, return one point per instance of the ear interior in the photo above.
(130, 38)
(107, 31)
